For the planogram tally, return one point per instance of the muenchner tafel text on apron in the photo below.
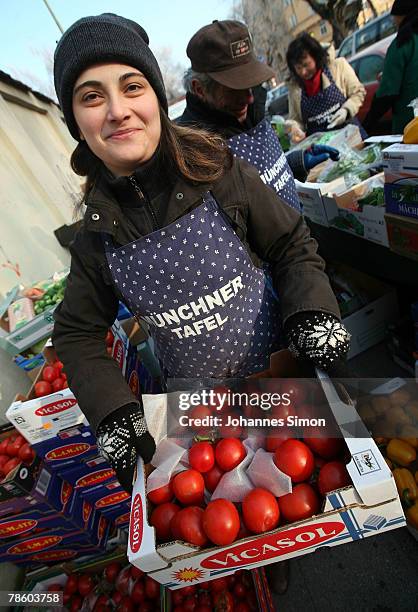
(210, 310)
(261, 148)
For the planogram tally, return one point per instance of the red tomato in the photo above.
(242, 606)
(57, 384)
(201, 456)
(200, 412)
(26, 453)
(275, 440)
(189, 487)
(204, 599)
(230, 431)
(295, 459)
(102, 604)
(136, 572)
(301, 503)
(333, 475)
(152, 588)
(327, 448)
(125, 605)
(212, 478)
(147, 606)
(297, 392)
(42, 388)
(175, 527)
(58, 365)
(76, 603)
(189, 604)
(220, 395)
(122, 581)
(85, 584)
(13, 446)
(240, 590)
(191, 526)
(204, 607)
(54, 587)
(221, 522)
(71, 586)
(111, 571)
(243, 531)
(3, 446)
(176, 597)
(49, 373)
(223, 602)
(162, 495)
(229, 453)
(260, 511)
(187, 590)
(217, 585)
(160, 519)
(116, 597)
(10, 465)
(138, 591)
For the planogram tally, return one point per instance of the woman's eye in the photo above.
(133, 87)
(90, 97)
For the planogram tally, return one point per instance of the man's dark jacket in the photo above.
(200, 115)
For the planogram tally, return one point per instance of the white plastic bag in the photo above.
(264, 473)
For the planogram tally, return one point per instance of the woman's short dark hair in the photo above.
(302, 45)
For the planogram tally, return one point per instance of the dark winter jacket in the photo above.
(270, 230)
(200, 115)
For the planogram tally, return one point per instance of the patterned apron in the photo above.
(316, 110)
(211, 311)
(261, 148)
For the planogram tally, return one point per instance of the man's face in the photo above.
(232, 101)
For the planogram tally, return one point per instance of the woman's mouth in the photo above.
(123, 134)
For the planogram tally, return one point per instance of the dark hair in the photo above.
(197, 155)
(302, 45)
(408, 27)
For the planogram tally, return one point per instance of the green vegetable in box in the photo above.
(376, 197)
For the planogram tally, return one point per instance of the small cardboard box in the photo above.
(315, 203)
(403, 235)
(368, 223)
(39, 328)
(369, 507)
(401, 158)
(368, 325)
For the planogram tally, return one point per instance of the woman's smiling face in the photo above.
(118, 115)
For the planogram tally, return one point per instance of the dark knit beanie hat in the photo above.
(97, 39)
(404, 7)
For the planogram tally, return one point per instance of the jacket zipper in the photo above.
(140, 193)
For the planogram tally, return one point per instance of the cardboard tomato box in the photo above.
(403, 235)
(369, 507)
(89, 475)
(110, 500)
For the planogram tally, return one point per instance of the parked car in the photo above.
(277, 101)
(368, 65)
(373, 31)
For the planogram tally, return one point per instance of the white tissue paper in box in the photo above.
(264, 473)
(235, 485)
(166, 460)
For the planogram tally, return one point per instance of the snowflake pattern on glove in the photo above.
(320, 338)
(116, 438)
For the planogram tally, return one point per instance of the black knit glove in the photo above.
(121, 437)
(318, 337)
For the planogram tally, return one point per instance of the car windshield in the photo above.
(346, 48)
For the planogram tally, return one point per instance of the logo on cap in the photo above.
(240, 47)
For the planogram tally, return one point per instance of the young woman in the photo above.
(178, 230)
(324, 92)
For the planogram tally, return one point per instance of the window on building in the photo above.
(367, 36)
(293, 20)
(323, 28)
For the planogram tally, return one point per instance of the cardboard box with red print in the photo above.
(67, 449)
(366, 508)
(110, 500)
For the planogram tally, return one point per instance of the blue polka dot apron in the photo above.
(317, 110)
(261, 148)
(211, 312)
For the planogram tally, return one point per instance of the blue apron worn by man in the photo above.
(224, 95)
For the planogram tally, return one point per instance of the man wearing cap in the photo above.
(224, 95)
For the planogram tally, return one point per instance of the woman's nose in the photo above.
(117, 109)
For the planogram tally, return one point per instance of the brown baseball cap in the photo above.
(224, 51)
